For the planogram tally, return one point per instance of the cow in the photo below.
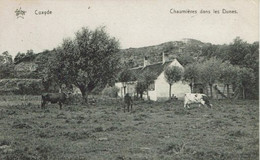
(128, 102)
(190, 98)
(53, 98)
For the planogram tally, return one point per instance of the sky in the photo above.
(135, 23)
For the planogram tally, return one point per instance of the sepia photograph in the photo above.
(129, 80)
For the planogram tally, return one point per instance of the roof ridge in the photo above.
(136, 67)
(150, 64)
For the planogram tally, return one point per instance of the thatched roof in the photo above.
(156, 69)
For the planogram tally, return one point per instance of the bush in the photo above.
(21, 86)
(30, 88)
(111, 91)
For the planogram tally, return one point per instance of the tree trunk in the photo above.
(211, 93)
(236, 93)
(170, 92)
(228, 91)
(84, 94)
(244, 95)
(124, 90)
(148, 98)
(191, 88)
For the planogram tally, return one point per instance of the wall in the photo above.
(130, 88)
(178, 88)
(162, 88)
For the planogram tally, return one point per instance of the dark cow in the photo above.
(191, 98)
(53, 98)
(128, 102)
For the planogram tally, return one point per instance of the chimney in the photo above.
(146, 62)
(164, 58)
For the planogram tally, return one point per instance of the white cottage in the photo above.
(159, 90)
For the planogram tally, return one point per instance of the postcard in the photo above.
(148, 79)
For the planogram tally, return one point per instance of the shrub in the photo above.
(111, 91)
(30, 87)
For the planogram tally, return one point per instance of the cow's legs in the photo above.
(131, 107)
(128, 106)
(203, 103)
(43, 104)
(124, 107)
(186, 105)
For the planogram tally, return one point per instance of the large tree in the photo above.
(146, 79)
(140, 88)
(191, 74)
(228, 75)
(87, 61)
(244, 80)
(237, 51)
(172, 75)
(210, 72)
(6, 65)
(125, 76)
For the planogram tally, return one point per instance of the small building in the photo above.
(159, 89)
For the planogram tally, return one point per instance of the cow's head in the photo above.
(67, 94)
(206, 100)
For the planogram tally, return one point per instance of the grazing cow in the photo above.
(53, 98)
(128, 102)
(190, 98)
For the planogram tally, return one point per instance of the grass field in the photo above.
(153, 130)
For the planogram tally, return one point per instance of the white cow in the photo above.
(190, 98)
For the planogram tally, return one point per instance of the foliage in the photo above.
(191, 74)
(140, 88)
(86, 61)
(185, 59)
(251, 59)
(41, 61)
(245, 79)
(30, 88)
(111, 91)
(227, 73)
(5, 58)
(6, 66)
(125, 76)
(145, 80)
(237, 51)
(172, 74)
(210, 72)
(20, 57)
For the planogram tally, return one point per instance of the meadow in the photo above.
(153, 130)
